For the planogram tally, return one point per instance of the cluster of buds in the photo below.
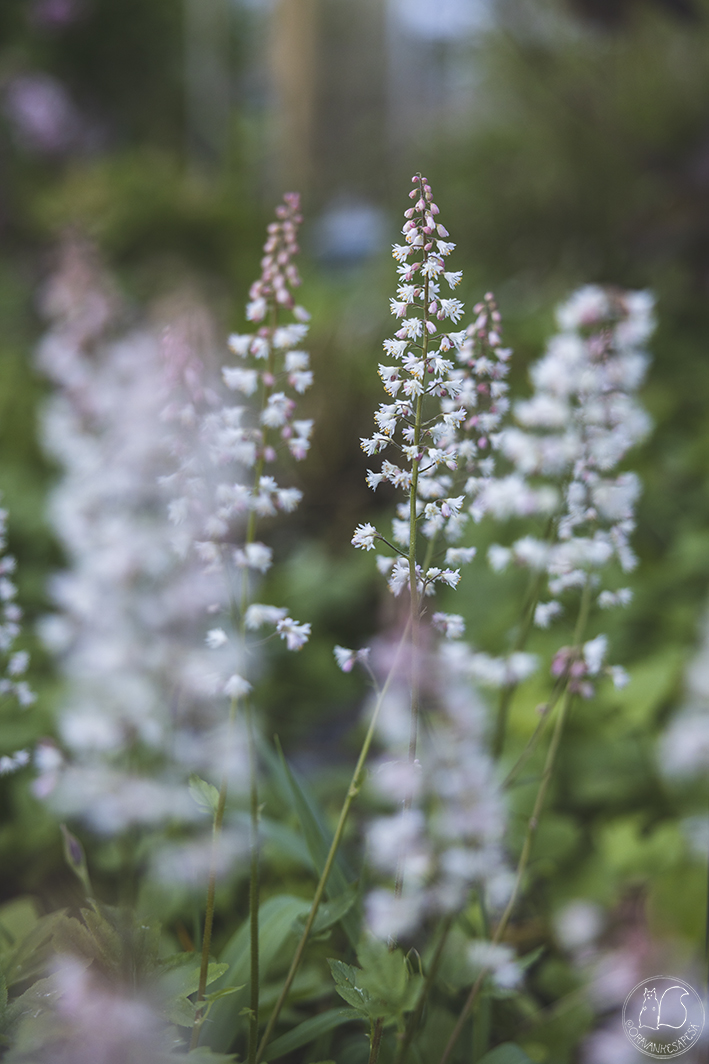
(577, 667)
(279, 274)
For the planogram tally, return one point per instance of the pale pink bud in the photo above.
(442, 231)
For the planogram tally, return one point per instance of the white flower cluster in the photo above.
(227, 483)
(445, 836)
(567, 442)
(449, 393)
(14, 662)
(684, 748)
(131, 614)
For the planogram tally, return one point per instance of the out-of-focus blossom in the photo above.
(445, 832)
(42, 113)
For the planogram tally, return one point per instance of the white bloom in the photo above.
(296, 635)
(544, 613)
(451, 624)
(258, 615)
(216, 638)
(236, 686)
(364, 536)
(594, 652)
(240, 380)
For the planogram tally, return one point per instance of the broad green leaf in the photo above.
(276, 918)
(309, 1030)
(507, 1053)
(29, 956)
(204, 794)
(318, 838)
(17, 918)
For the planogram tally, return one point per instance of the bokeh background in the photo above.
(567, 142)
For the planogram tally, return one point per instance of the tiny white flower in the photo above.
(236, 686)
(295, 634)
(364, 536)
(258, 614)
(216, 638)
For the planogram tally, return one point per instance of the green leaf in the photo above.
(330, 912)
(29, 956)
(350, 989)
(309, 1030)
(204, 794)
(318, 838)
(507, 1053)
(204, 1055)
(276, 918)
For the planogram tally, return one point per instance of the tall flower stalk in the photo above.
(576, 428)
(247, 442)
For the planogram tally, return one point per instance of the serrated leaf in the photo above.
(507, 1053)
(204, 794)
(350, 989)
(309, 1030)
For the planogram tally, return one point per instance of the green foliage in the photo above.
(383, 987)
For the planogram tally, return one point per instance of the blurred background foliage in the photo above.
(566, 143)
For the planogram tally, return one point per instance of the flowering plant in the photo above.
(160, 726)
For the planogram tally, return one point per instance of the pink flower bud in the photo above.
(434, 209)
(442, 231)
(269, 454)
(427, 247)
(432, 307)
(268, 379)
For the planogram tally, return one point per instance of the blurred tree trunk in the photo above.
(293, 75)
(207, 80)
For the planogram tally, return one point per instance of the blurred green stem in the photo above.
(533, 824)
(352, 792)
(211, 890)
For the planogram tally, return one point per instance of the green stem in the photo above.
(507, 692)
(253, 891)
(531, 827)
(211, 891)
(352, 792)
(414, 1019)
(376, 1041)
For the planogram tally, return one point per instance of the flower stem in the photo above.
(211, 891)
(352, 792)
(507, 692)
(415, 1016)
(531, 827)
(253, 891)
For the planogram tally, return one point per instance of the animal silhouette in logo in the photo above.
(669, 1011)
